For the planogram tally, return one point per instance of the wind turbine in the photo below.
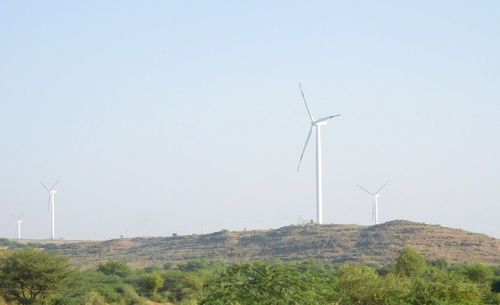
(52, 194)
(319, 178)
(18, 223)
(375, 201)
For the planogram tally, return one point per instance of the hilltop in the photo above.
(378, 244)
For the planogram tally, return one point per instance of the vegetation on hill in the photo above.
(7, 243)
(31, 276)
(378, 245)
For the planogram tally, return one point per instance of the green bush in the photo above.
(410, 263)
(115, 268)
(150, 283)
(31, 275)
(478, 273)
(409, 281)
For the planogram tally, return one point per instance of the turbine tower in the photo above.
(18, 223)
(319, 178)
(52, 194)
(375, 201)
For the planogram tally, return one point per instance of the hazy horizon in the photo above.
(185, 118)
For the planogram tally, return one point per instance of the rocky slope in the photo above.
(334, 243)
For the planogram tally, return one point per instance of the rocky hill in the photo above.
(377, 244)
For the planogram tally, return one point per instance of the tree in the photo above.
(441, 287)
(440, 263)
(410, 263)
(150, 283)
(268, 284)
(30, 275)
(495, 285)
(478, 273)
(354, 283)
(180, 285)
(362, 285)
(193, 265)
(115, 268)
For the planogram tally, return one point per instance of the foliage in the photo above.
(92, 298)
(410, 280)
(199, 264)
(130, 296)
(193, 265)
(179, 285)
(7, 243)
(440, 263)
(478, 273)
(152, 269)
(261, 283)
(445, 288)
(150, 283)
(31, 275)
(115, 268)
(90, 282)
(360, 284)
(410, 263)
(495, 285)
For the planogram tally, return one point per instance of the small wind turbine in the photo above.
(52, 194)
(319, 179)
(18, 223)
(375, 201)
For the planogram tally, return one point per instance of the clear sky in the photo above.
(186, 116)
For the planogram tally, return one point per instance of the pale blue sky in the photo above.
(163, 116)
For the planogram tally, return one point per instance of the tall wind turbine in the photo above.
(375, 201)
(52, 195)
(319, 178)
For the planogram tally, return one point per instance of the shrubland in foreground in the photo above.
(31, 276)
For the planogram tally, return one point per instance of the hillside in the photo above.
(377, 244)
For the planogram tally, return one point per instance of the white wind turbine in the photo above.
(319, 180)
(18, 226)
(18, 223)
(375, 201)
(52, 194)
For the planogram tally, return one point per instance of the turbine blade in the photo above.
(305, 146)
(44, 186)
(305, 103)
(382, 187)
(365, 190)
(54, 185)
(326, 118)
